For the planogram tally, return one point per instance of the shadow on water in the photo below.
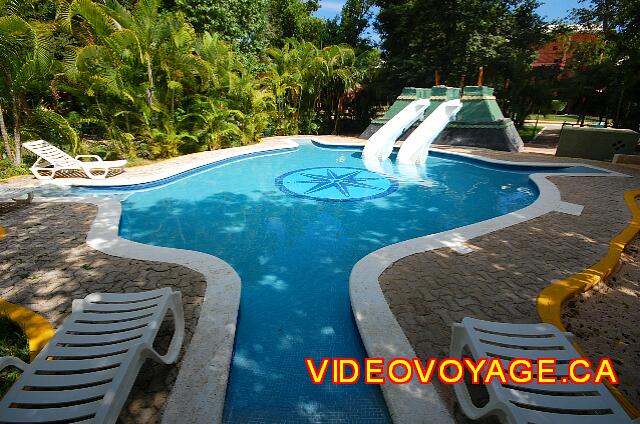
(294, 257)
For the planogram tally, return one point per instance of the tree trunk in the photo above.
(17, 159)
(616, 122)
(5, 136)
(337, 116)
(149, 96)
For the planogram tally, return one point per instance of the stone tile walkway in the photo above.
(501, 279)
(45, 264)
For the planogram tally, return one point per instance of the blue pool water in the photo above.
(293, 225)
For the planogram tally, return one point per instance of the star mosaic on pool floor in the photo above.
(336, 184)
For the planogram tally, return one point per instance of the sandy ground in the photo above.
(606, 322)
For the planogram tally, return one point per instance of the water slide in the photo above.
(380, 145)
(415, 148)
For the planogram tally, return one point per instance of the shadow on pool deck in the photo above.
(501, 279)
(45, 264)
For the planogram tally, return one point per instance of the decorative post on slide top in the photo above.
(408, 93)
(414, 93)
(479, 105)
(440, 94)
(423, 93)
(443, 93)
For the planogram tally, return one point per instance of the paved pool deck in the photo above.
(46, 262)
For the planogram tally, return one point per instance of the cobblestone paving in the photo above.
(501, 279)
(45, 264)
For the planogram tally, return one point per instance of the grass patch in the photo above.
(13, 342)
(142, 161)
(527, 132)
(561, 118)
(8, 169)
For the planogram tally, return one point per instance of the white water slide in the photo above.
(380, 145)
(415, 148)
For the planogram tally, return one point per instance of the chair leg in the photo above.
(25, 201)
(101, 175)
(178, 336)
(37, 170)
(458, 342)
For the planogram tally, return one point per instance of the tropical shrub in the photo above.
(137, 80)
(26, 66)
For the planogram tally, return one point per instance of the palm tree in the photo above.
(138, 63)
(306, 81)
(26, 55)
(285, 80)
(341, 77)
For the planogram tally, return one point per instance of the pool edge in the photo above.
(411, 403)
(381, 333)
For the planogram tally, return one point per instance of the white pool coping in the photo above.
(200, 389)
(173, 167)
(414, 403)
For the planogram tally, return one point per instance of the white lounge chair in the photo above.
(15, 194)
(56, 160)
(531, 403)
(86, 371)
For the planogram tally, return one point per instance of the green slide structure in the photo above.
(480, 122)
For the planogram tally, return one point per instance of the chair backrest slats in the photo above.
(50, 153)
(93, 354)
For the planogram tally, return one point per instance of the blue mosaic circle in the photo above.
(335, 184)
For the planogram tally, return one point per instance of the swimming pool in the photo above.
(293, 225)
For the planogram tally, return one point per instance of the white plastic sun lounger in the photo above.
(531, 403)
(56, 160)
(86, 371)
(15, 194)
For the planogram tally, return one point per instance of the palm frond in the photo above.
(101, 23)
(47, 122)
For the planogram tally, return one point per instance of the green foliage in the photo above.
(241, 22)
(306, 81)
(350, 26)
(158, 78)
(145, 79)
(293, 19)
(134, 72)
(604, 79)
(528, 132)
(558, 106)
(456, 38)
(26, 64)
(13, 342)
(9, 169)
